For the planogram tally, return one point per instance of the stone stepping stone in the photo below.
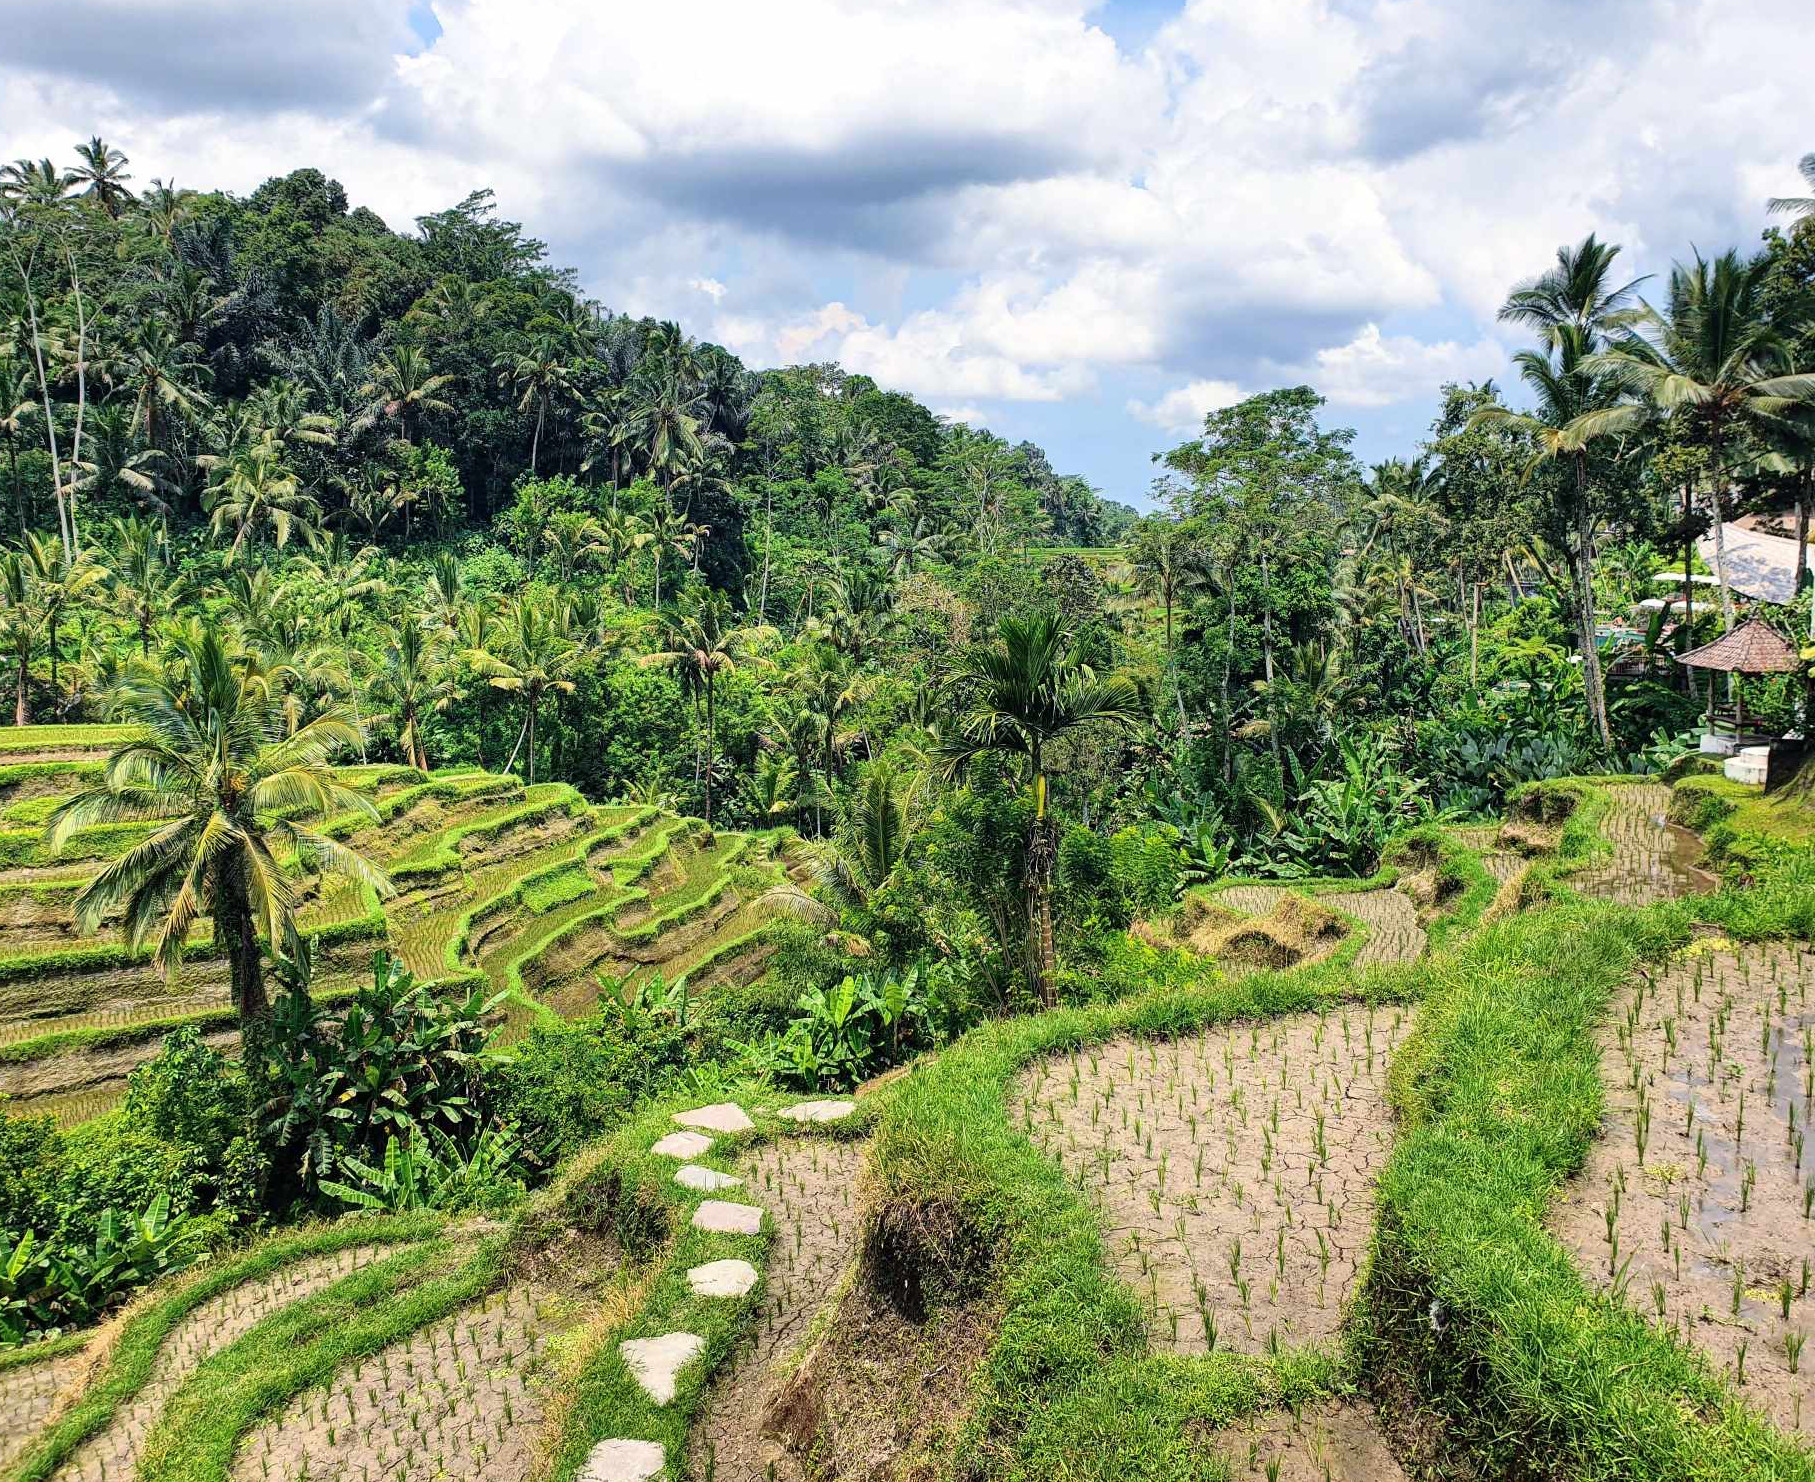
(818, 1111)
(623, 1461)
(656, 1362)
(682, 1145)
(725, 1218)
(725, 1116)
(705, 1179)
(722, 1279)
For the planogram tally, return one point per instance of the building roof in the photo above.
(1759, 566)
(1751, 648)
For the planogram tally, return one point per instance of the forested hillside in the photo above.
(572, 908)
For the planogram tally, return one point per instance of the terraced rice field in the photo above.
(1697, 1200)
(1653, 859)
(535, 889)
(1234, 1169)
(1394, 933)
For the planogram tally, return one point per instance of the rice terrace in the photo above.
(980, 742)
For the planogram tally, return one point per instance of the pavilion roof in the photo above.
(1751, 648)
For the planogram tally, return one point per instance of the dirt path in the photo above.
(460, 1398)
(112, 1455)
(1394, 934)
(1653, 860)
(1696, 1198)
(1234, 1169)
(808, 1186)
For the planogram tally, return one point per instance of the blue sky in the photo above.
(1081, 224)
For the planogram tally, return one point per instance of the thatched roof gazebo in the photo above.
(1752, 648)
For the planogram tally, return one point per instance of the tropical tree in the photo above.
(1715, 357)
(704, 644)
(868, 843)
(404, 386)
(233, 798)
(103, 172)
(15, 409)
(529, 656)
(1564, 391)
(540, 375)
(21, 624)
(255, 491)
(573, 536)
(412, 681)
(163, 377)
(1013, 698)
(1798, 205)
(146, 586)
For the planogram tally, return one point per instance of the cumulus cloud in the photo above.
(1182, 410)
(1376, 370)
(988, 201)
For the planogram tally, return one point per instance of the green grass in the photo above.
(129, 1364)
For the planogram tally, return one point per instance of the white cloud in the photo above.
(1182, 409)
(1263, 193)
(1376, 370)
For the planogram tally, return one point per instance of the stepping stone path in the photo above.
(722, 1279)
(682, 1145)
(725, 1218)
(657, 1362)
(726, 1116)
(623, 1461)
(705, 1180)
(818, 1111)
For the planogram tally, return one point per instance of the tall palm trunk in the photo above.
(20, 673)
(12, 459)
(1592, 683)
(1041, 851)
(1266, 631)
(711, 741)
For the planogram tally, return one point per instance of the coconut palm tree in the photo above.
(115, 457)
(871, 838)
(1564, 392)
(35, 183)
(164, 208)
(541, 376)
(669, 422)
(1013, 698)
(103, 171)
(234, 797)
(403, 386)
(1578, 292)
(21, 624)
(623, 535)
(529, 655)
(253, 491)
(61, 584)
(1713, 356)
(909, 547)
(573, 536)
(146, 586)
(704, 644)
(412, 681)
(15, 410)
(667, 532)
(1798, 205)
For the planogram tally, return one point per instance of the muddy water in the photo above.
(1653, 859)
(1697, 1198)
